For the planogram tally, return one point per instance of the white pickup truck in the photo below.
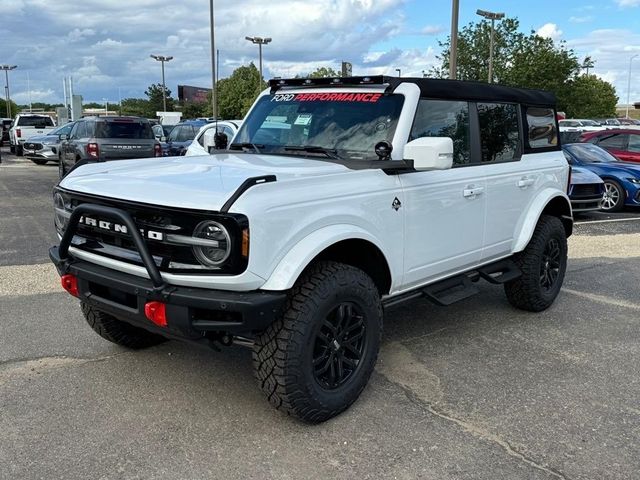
(27, 125)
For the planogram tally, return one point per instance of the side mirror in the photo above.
(163, 139)
(64, 137)
(430, 153)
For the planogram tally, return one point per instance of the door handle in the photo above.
(471, 191)
(525, 182)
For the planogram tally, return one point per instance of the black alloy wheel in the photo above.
(339, 346)
(550, 265)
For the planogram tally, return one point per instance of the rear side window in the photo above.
(618, 142)
(182, 133)
(38, 122)
(541, 127)
(134, 130)
(499, 132)
(445, 118)
(634, 143)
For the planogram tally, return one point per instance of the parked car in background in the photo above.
(630, 123)
(585, 191)
(161, 132)
(25, 126)
(5, 125)
(98, 139)
(181, 137)
(621, 179)
(43, 148)
(622, 143)
(608, 122)
(579, 125)
(204, 141)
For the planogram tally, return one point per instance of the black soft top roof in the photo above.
(476, 91)
(430, 88)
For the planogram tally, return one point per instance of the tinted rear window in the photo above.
(38, 122)
(123, 130)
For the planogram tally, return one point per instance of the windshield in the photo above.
(35, 121)
(590, 123)
(346, 124)
(123, 129)
(588, 153)
(63, 130)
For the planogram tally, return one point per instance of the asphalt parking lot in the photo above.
(477, 390)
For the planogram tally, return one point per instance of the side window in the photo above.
(541, 127)
(74, 131)
(499, 132)
(79, 131)
(617, 142)
(634, 143)
(173, 136)
(444, 118)
(201, 137)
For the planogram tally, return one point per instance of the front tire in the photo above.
(543, 264)
(62, 171)
(614, 196)
(119, 332)
(315, 360)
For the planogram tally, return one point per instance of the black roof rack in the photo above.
(430, 88)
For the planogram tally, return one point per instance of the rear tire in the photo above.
(119, 332)
(543, 264)
(315, 360)
(38, 161)
(19, 151)
(12, 149)
(62, 171)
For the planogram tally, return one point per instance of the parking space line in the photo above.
(611, 220)
(603, 299)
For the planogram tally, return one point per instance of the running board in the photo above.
(451, 290)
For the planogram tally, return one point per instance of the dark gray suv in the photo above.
(98, 139)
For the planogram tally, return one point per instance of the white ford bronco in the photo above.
(337, 199)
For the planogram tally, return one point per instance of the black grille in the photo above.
(168, 257)
(586, 190)
(33, 146)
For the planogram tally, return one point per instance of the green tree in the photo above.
(138, 107)
(323, 72)
(3, 108)
(93, 105)
(237, 93)
(589, 97)
(195, 109)
(154, 93)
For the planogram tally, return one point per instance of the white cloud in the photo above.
(583, 19)
(628, 3)
(550, 30)
(432, 30)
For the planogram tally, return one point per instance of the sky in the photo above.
(105, 44)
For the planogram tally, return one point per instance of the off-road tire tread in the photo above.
(275, 356)
(119, 332)
(524, 292)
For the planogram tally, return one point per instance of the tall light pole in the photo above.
(214, 100)
(453, 47)
(493, 16)
(6, 69)
(259, 41)
(629, 83)
(399, 70)
(162, 59)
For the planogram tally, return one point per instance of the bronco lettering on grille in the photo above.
(118, 228)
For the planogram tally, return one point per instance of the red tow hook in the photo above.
(70, 283)
(156, 312)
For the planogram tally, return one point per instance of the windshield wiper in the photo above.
(329, 152)
(243, 145)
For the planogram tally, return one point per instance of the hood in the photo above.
(48, 139)
(580, 176)
(626, 168)
(200, 182)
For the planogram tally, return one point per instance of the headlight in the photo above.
(215, 235)
(634, 180)
(61, 214)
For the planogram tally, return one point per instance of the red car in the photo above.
(620, 142)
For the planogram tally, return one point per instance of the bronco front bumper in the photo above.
(191, 313)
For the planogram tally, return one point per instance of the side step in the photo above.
(460, 287)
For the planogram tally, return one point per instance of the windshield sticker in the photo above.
(327, 97)
(304, 119)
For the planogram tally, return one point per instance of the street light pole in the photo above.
(259, 41)
(214, 99)
(629, 84)
(453, 48)
(399, 71)
(162, 59)
(6, 69)
(493, 16)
